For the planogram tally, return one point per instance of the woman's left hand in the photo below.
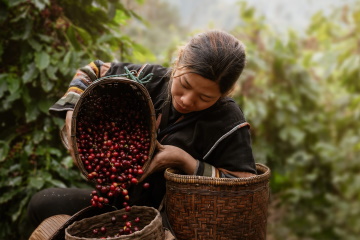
(170, 156)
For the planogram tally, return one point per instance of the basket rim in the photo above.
(171, 175)
(134, 234)
(106, 80)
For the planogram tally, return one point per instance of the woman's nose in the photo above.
(187, 100)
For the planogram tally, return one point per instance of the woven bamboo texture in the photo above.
(83, 213)
(150, 225)
(218, 208)
(48, 227)
(115, 85)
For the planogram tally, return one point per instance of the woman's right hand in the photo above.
(168, 156)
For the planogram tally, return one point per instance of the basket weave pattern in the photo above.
(48, 227)
(150, 225)
(114, 86)
(218, 208)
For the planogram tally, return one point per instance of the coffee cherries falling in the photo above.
(113, 142)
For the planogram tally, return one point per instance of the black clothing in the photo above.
(53, 201)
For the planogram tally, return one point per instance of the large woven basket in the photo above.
(114, 85)
(218, 208)
(150, 225)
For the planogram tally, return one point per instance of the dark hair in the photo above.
(215, 55)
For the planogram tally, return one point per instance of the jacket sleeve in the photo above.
(81, 80)
(231, 158)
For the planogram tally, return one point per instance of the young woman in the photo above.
(201, 130)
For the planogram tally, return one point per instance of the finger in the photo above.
(145, 175)
(148, 170)
(142, 177)
(158, 146)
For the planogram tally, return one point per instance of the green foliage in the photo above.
(302, 98)
(42, 43)
(161, 31)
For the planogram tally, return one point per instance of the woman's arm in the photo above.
(168, 156)
(81, 80)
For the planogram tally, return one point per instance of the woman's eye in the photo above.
(204, 100)
(183, 85)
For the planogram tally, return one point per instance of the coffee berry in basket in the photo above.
(113, 140)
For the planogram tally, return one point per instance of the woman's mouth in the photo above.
(179, 107)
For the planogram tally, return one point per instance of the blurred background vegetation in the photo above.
(300, 92)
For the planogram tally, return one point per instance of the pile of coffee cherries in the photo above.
(113, 140)
(128, 228)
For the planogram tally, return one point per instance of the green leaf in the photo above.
(50, 71)
(103, 3)
(46, 84)
(38, 137)
(45, 175)
(13, 3)
(20, 16)
(55, 151)
(1, 49)
(35, 44)
(4, 150)
(71, 36)
(3, 14)
(42, 60)
(13, 84)
(36, 182)
(30, 74)
(40, 4)
(44, 105)
(32, 112)
(8, 195)
(121, 17)
(66, 65)
(56, 183)
(67, 58)
(292, 134)
(28, 29)
(45, 38)
(67, 162)
(21, 206)
(85, 36)
(26, 96)
(15, 167)
(58, 122)
(11, 98)
(15, 181)
(3, 85)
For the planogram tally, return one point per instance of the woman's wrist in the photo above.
(187, 163)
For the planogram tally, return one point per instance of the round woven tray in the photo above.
(218, 208)
(114, 85)
(48, 227)
(150, 225)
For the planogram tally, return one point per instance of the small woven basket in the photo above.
(114, 86)
(150, 225)
(218, 208)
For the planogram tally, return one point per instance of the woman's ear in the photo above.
(229, 92)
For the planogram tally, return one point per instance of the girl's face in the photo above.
(191, 92)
